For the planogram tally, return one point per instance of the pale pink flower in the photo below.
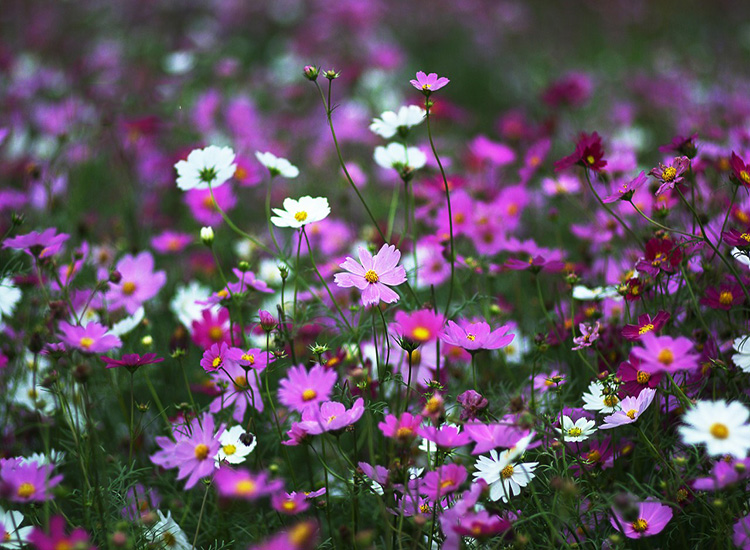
(373, 275)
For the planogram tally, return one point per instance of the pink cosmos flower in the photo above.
(740, 170)
(330, 417)
(476, 336)
(447, 437)
(210, 329)
(634, 378)
(631, 409)
(652, 519)
(139, 282)
(27, 481)
(302, 388)
(723, 474)
(725, 297)
(290, 504)
(589, 334)
(216, 357)
(93, 338)
(428, 83)
(403, 428)
(171, 242)
(374, 275)
(41, 245)
(492, 436)
(741, 533)
(245, 485)
(57, 539)
(666, 354)
(419, 326)
(202, 205)
(246, 281)
(588, 153)
(670, 175)
(239, 388)
(302, 536)
(626, 190)
(443, 481)
(740, 239)
(132, 361)
(645, 324)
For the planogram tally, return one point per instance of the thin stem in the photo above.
(200, 516)
(609, 210)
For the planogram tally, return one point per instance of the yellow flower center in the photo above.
(669, 173)
(424, 508)
(640, 525)
(645, 328)
(575, 432)
(426, 86)
(240, 383)
(404, 433)
(682, 494)
(447, 483)
(719, 431)
(300, 534)
(507, 471)
(665, 357)
(590, 159)
(245, 487)
(420, 333)
(128, 287)
(512, 209)
(215, 333)
(300, 216)
(594, 456)
(216, 362)
(745, 237)
(371, 276)
(744, 176)
(642, 377)
(631, 414)
(249, 358)
(25, 490)
(223, 293)
(173, 245)
(459, 218)
(86, 342)
(201, 451)
(471, 337)
(309, 395)
(229, 450)
(289, 505)
(726, 298)
(611, 400)
(168, 538)
(433, 405)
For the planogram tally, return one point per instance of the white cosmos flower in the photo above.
(580, 430)
(167, 532)
(10, 295)
(586, 294)
(126, 325)
(742, 358)
(390, 123)
(233, 450)
(505, 478)
(395, 155)
(276, 165)
(721, 426)
(596, 400)
(212, 165)
(13, 535)
(297, 213)
(184, 303)
(740, 256)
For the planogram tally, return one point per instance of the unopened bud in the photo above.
(207, 236)
(311, 72)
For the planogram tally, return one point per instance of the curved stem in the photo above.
(609, 210)
(657, 224)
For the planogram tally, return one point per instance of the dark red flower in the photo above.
(645, 324)
(588, 153)
(740, 170)
(132, 361)
(661, 255)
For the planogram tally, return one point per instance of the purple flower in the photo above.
(57, 539)
(93, 338)
(493, 436)
(27, 481)
(402, 429)
(132, 361)
(330, 417)
(645, 324)
(447, 437)
(476, 336)
(670, 175)
(215, 357)
(626, 190)
(428, 83)
(666, 354)
(651, 520)
(438, 483)
(42, 245)
(171, 242)
(631, 409)
(374, 275)
(471, 403)
(589, 334)
(589, 154)
(741, 536)
(302, 388)
(139, 282)
(244, 484)
(723, 474)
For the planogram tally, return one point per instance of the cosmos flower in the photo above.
(24, 481)
(302, 388)
(211, 166)
(719, 425)
(580, 430)
(631, 409)
(666, 354)
(132, 361)
(742, 358)
(245, 485)
(236, 445)
(330, 417)
(398, 157)
(443, 481)
(389, 124)
(171, 242)
(403, 428)
(589, 334)
(139, 282)
(597, 400)
(373, 275)
(645, 325)
(651, 519)
(419, 326)
(167, 532)
(92, 338)
(56, 538)
(634, 379)
(627, 189)
(476, 336)
(12, 535)
(740, 170)
(671, 175)
(298, 213)
(277, 166)
(588, 153)
(505, 477)
(40, 245)
(428, 83)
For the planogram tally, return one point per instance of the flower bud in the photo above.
(311, 72)
(330, 74)
(207, 236)
(115, 277)
(267, 321)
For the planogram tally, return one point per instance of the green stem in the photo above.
(609, 210)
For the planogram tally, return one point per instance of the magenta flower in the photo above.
(492, 436)
(652, 519)
(210, 329)
(626, 190)
(631, 409)
(476, 336)
(725, 297)
(139, 282)
(57, 539)
(252, 358)
(741, 532)
(215, 357)
(438, 483)
(588, 153)
(132, 361)
(666, 354)
(419, 326)
(447, 436)
(471, 403)
(740, 170)
(589, 334)
(740, 239)
(302, 389)
(330, 417)
(239, 388)
(290, 504)
(428, 83)
(373, 275)
(723, 474)
(93, 338)
(40, 245)
(245, 485)
(535, 264)
(402, 428)
(645, 324)
(634, 378)
(27, 481)
(171, 242)
(671, 175)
